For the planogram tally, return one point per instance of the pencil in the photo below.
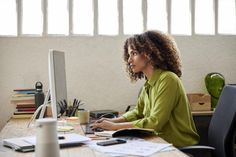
(100, 138)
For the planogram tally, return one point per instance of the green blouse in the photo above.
(164, 107)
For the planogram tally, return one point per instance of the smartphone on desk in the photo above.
(111, 142)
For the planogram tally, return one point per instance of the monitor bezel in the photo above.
(53, 84)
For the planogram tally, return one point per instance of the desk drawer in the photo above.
(199, 101)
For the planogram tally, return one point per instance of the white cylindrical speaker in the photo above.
(46, 138)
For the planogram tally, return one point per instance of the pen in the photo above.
(100, 138)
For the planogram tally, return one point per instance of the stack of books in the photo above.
(25, 103)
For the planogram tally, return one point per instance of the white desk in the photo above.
(18, 128)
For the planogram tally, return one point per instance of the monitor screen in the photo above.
(57, 80)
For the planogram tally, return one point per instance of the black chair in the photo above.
(221, 132)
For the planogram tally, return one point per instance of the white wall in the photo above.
(95, 68)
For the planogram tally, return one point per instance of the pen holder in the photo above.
(46, 139)
(70, 110)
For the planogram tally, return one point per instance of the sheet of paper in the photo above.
(104, 133)
(133, 147)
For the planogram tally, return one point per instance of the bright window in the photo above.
(32, 18)
(180, 17)
(204, 17)
(58, 19)
(108, 17)
(132, 16)
(8, 17)
(227, 17)
(157, 15)
(28, 15)
(83, 17)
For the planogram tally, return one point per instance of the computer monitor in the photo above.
(57, 80)
(57, 85)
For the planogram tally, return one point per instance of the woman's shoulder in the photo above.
(169, 75)
(170, 78)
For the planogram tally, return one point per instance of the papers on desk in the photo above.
(18, 144)
(132, 147)
(67, 140)
(26, 144)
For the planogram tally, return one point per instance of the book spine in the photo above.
(22, 116)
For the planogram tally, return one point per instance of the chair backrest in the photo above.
(221, 131)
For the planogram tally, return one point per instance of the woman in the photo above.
(162, 104)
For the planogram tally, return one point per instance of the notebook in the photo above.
(18, 144)
(26, 144)
(127, 132)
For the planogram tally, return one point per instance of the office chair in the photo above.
(221, 133)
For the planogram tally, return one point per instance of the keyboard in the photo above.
(90, 130)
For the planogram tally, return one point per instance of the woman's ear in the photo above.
(147, 57)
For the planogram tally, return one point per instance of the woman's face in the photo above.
(137, 62)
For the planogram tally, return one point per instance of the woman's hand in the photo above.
(112, 123)
(104, 124)
(102, 119)
(114, 120)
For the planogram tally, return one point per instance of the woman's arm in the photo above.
(108, 125)
(164, 100)
(114, 120)
(124, 121)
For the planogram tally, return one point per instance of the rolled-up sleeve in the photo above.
(163, 97)
(137, 112)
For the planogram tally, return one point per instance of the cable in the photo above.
(34, 115)
(42, 108)
(44, 105)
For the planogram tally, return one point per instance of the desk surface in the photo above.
(18, 128)
(202, 113)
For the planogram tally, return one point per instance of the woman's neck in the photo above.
(148, 71)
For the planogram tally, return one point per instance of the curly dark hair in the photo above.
(159, 47)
